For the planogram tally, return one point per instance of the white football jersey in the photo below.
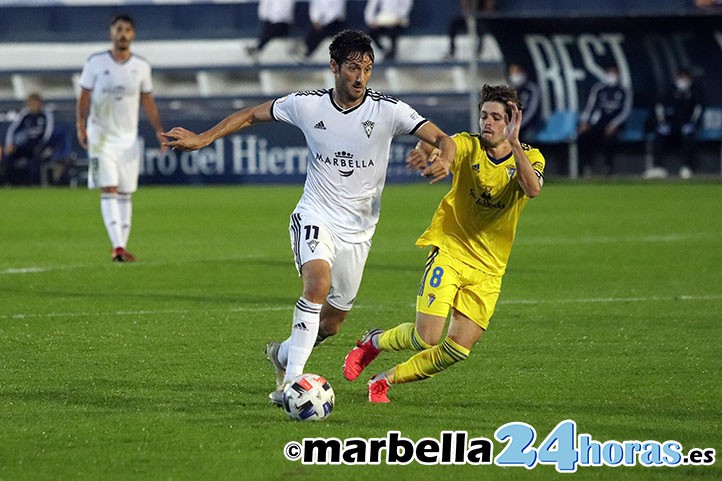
(115, 97)
(348, 155)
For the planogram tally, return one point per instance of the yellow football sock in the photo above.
(403, 336)
(429, 362)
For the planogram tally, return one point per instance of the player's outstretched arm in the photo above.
(183, 139)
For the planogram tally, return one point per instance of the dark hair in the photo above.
(349, 45)
(499, 93)
(122, 17)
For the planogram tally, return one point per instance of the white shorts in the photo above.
(311, 239)
(114, 165)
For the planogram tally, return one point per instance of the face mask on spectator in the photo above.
(517, 79)
(611, 79)
(683, 83)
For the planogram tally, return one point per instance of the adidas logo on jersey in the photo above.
(320, 125)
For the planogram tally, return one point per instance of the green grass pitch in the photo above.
(609, 315)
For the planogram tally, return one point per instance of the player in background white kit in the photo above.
(348, 130)
(113, 84)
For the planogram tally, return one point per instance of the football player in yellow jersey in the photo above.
(470, 236)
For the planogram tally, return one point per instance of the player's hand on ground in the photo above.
(179, 138)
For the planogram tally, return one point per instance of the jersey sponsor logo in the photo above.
(368, 127)
(117, 91)
(320, 125)
(484, 198)
(345, 162)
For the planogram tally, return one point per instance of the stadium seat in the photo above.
(635, 128)
(561, 128)
(711, 130)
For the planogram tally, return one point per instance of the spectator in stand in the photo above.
(608, 107)
(528, 93)
(27, 143)
(458, 25)
(276, 18)
(676, 118)
(328, 17)
(387, 18)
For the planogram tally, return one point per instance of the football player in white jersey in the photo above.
(348, 130)
(113, 84)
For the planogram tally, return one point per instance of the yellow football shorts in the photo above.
(449, 283)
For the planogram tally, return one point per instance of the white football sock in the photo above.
(125, 207)
(306, 319)
(111, 217)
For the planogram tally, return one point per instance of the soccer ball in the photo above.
(309, 397)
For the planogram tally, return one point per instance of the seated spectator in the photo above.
(458, 25)
(529, 97)
(676, 119)
(276, 18)
(608, 107)
(328, 17)
(387, 18)
(27, 143)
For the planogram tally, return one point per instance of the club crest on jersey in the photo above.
(511, 171)
(430, 300)
(368, 127)
(312, 244)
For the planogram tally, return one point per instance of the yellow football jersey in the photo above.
(476, 221)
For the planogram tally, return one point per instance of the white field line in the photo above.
(289, 307)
